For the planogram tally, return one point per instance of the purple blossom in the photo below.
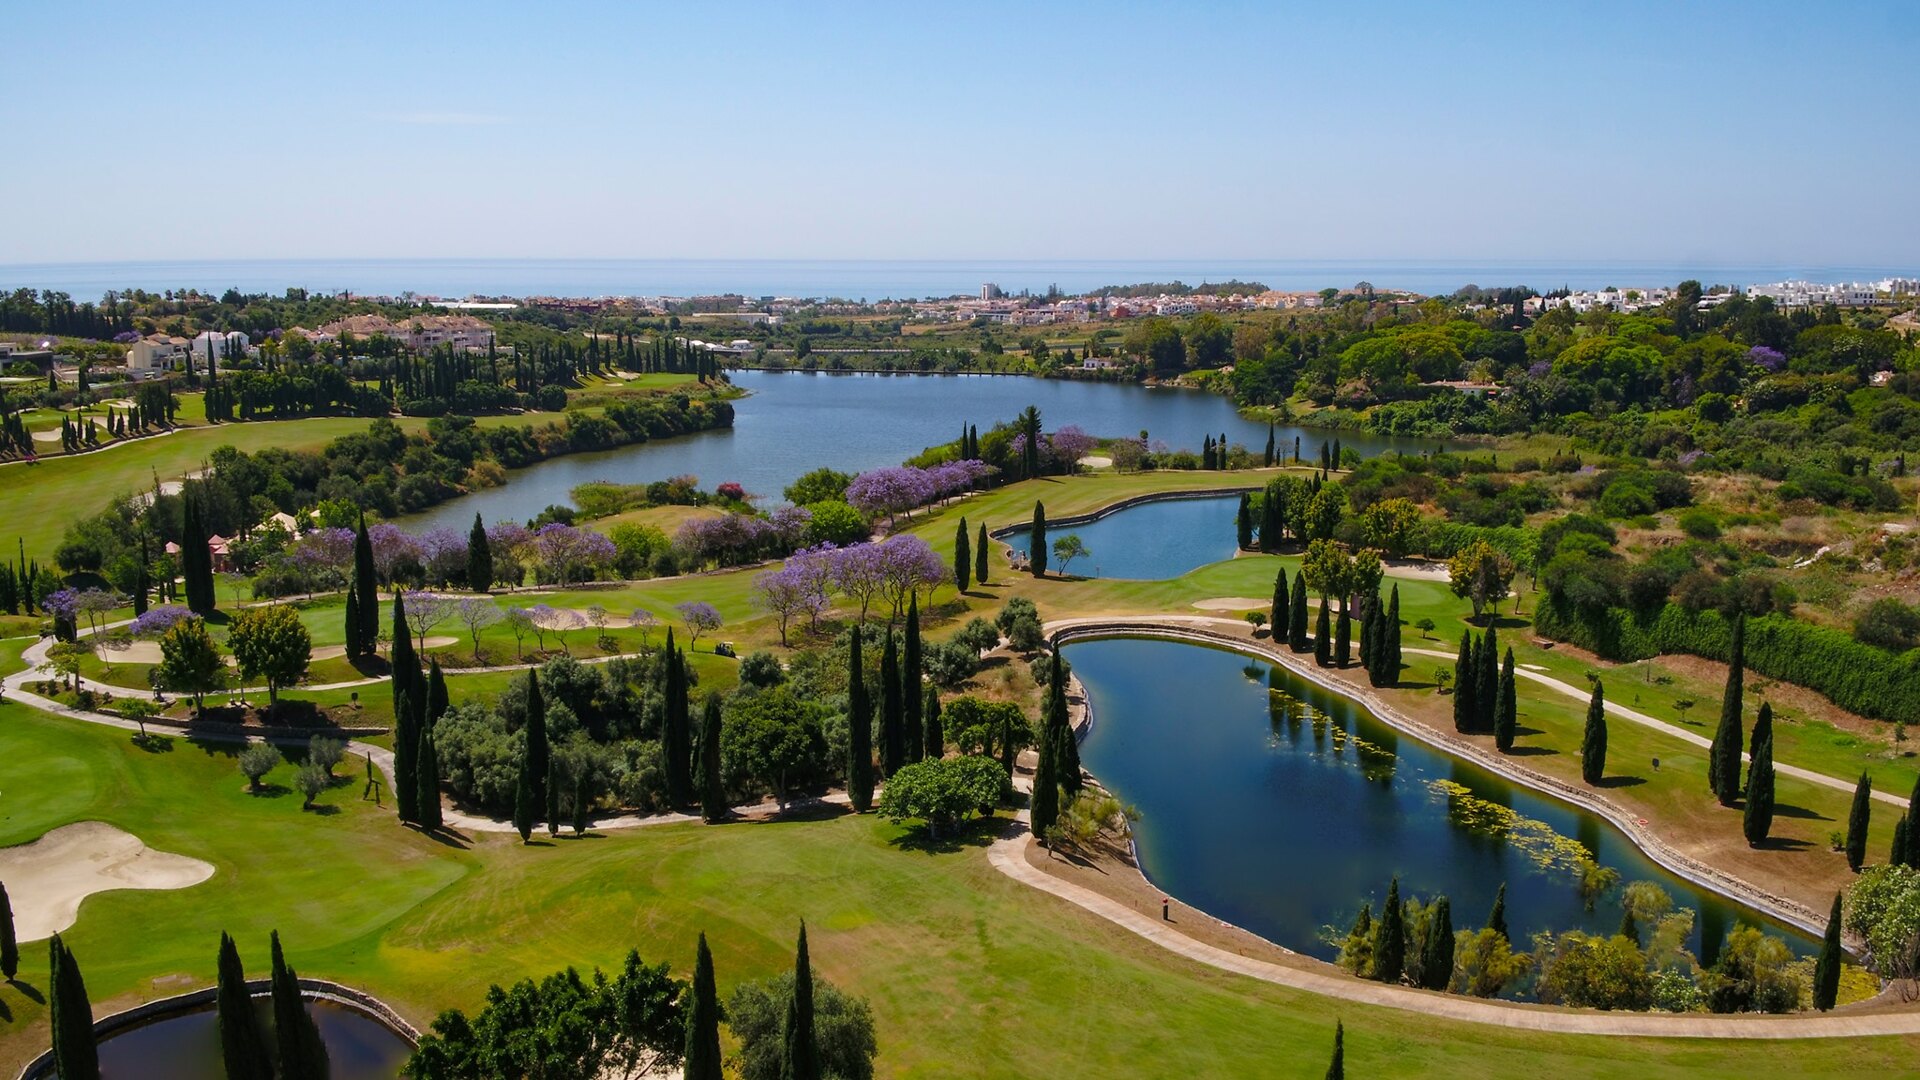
(568, 554)
(1070, 444)
(907, 563)
(790, 524)
(857, 571)
(64, 603)
(443, 554)
(803, 586)
(158, 620)
(893, 490)
(699, 616)
(394, 552)
(325, 552)
(1538, 369)
(729, 539)
(1770, 359)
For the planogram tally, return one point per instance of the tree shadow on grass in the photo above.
(447, 837)
(270, 791)
(213, 747)
(29, 991)
(322, 809)
(6, 1013)
(154, 744)
(1524, 731)
(970, 836)
(1532, 751)
(1800, 813)
(1783, 843)
(1621, 781)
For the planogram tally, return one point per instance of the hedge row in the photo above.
(1863, 679)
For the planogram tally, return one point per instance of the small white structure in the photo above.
(155, 353)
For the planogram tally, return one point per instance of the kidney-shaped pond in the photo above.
(1283, 810)
(1160, 538)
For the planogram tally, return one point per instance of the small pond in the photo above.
(187, 1046)
(1149, 541)
(1283, 811)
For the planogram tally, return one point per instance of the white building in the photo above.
(155, 353)
(218, 345)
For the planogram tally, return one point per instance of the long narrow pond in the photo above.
(793, 421)
(1161, 538)
(187, 1046)
(1283, 811)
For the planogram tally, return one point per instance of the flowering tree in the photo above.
(643, 621)
(324, 555)
(597, 618)
(730, 539)
(567, 554)
(1070, 444)
(561, 621)
(519, 620)
(478, 613)
(699, 617)
(443, 555)
(394, 552)
(857, 573)
(790, 526)
(511, 545)
(891, 491)
(75, 605)
(427, 610)
(908, 563)
(158, 620)
(791, 591)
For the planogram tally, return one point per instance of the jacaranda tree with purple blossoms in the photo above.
(699, 617)
(567, 555)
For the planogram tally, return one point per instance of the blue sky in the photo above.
(1687, 132)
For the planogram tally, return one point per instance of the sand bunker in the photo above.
(1096, 461)
(148, 652)
(47, 879)
(1233, 603)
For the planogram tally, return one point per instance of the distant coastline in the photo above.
(870, 279)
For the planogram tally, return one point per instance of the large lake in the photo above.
(1283, 813)
(795, 421)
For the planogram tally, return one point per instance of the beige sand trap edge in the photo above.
(1233, 603)
(148, 652)
(1097, 461)
(47, 879)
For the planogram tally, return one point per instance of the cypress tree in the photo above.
(1243, 523)
(1296, 449)
(523, 801)
(539, 750)
(1037, 541)
(1762, 733)
(1486, 690)
(1370, 637)
(1322, 637)
(962, 555)
(1279, 613)
(406, 760)
(1912, 857)
(553, 797)
(980, 550)
(1068, 755)
(1271, 528)
(582, 804)
(859, 731)
(436, 694)
(9, 943)
(196, 558)
(1464, 681)
(243, 1048)
(1337, 1068)
(911, 731)
(1297, 616)
(409, 708)
(1343, 636)
(892, 746)
(1593, 743)
(1268, 459)
(366, 583)
(1757, 817)
(479, 558)
(1723, 760)
(1900, 851)
(1506, 709)
(1630, 928)
(1336, 455)
(76, 1056)
(1497, 918)
(936, 735)
(800, 1053)
(427, 769)
(354, 649)
(1390, 953)
(713, 796)
(676, 743)
(1390, 646)
(1826, 970)
(1436, 954)
(1858, 818)
(702, 1053)
(300, 1052)
(1044, 809)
